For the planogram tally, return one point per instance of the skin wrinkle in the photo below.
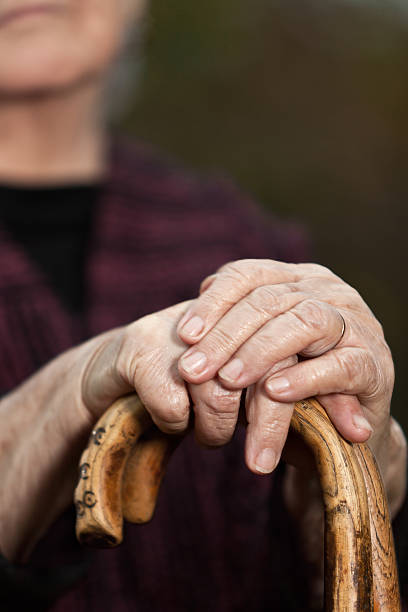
(243, 323)
(219, 428)
(244, 270)
(222, 403)
(219, 298)
(268, 298)
(263, 339)
(221, 341)
(312, 314)
(272, 429)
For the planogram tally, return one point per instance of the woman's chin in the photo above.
(36, 82)
(27, 73)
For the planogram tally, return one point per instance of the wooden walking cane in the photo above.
(123, 465)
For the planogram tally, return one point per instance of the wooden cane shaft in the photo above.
(348, 567)
(385, 572)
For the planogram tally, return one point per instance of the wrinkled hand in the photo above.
(251, 321)
(46, 421)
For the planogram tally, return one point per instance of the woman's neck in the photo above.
(52, 139)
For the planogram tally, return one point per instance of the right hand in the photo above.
(45, 423)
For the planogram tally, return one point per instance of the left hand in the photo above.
(251, 321)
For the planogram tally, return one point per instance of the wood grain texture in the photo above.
(98, 496)
(348, 567)
(385, 572)
(144, 472)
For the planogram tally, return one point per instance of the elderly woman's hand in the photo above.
(46, 421)
(251, 321)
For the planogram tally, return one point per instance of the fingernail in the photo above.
(232, 371)
(361, 422)
(193, 327)
(266, 461)
(280, 384)
(194, 363)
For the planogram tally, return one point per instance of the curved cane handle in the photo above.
(360, 565)
(120, 477)
(144, 472)
(98, 496)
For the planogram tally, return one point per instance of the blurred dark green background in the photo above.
(305, 105)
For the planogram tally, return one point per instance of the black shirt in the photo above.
(53, 224)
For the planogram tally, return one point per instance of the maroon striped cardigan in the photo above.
(220, 540)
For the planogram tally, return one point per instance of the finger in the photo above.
(268, 425)
(311, 328)
(236, 326)
(167, 403)
(216, 412)
(347, 372)
(347, 415)
(232, 282)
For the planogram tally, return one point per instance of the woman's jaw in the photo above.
(50, 46)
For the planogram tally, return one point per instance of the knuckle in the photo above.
(263, 299)
(172, 415)
(375, 378)
(293, 287)
(312, 314)
(248, 272)
(218, 340)
(317, 269)
(216, 294)
(237, 270)
(217, 415)
(237, 265)
(275, 429)
(354, 366)
(222, 402)
(282, 365)
(382, 376)
(363, 371)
